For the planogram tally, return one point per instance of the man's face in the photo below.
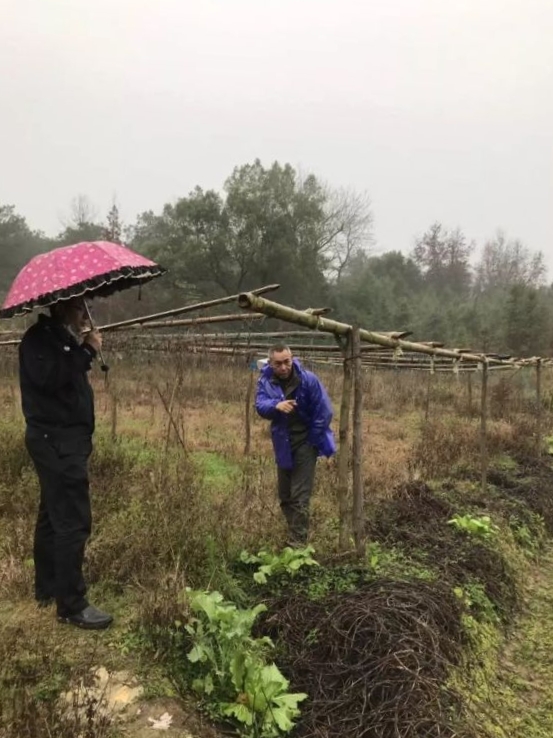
(281, 364)
(74, 314)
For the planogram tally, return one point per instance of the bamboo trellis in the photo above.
(349, 339)
(383, 350)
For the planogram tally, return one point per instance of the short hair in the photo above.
(61, 305)
(278, 348)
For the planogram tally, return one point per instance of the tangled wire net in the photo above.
(374, 662)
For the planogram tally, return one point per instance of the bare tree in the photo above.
(80, 224)
(81, 213)
(504, 263)
(346, 229)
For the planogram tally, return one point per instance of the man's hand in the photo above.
(286, 406)
(94, 339)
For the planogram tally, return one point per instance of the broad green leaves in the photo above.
(480, 527)
(289, 561)
(231, 669)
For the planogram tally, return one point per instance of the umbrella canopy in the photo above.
(88, 268)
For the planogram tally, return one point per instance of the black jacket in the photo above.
(55, 392)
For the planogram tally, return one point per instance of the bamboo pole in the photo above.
(185, 309)
(249, 301)
(357, 446)
(538, 409)
(248, 408)
(344, 446)
(222, 343)
(114, 403)
(484, 427)
(469, 394)
(431, 371)
(204, 320)
(188, 322)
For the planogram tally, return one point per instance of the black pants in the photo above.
(64, 517)
(295, 487)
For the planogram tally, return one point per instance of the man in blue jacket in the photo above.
(300, 411)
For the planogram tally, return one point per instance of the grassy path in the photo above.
(522, 694)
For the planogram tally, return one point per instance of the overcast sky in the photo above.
(439, 109)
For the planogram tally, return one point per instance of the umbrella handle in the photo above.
(103, 366)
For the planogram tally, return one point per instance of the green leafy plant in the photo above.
(475, 599)
(374, 555)
(480, 527)
(231, 669)
(394, 562)
(529, 535)
(289, 561)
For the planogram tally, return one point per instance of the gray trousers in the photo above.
(295, 487)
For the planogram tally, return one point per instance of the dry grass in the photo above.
(175, 499)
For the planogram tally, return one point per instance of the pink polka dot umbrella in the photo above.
(89, 268)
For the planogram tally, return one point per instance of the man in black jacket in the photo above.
(58, 405)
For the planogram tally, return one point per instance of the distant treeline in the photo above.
(273, 225)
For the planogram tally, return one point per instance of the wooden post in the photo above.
(344, 447)
(483, 427)
(357, 447)
(113, 397)
(469, 393)
(538, 409)
(428, 391)
(248, 408)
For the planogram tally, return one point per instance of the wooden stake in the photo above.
(538, 409)
(344, 447)
(428, 391)
(357, 448)
(484, 427)
(248, 408)
(113, 396)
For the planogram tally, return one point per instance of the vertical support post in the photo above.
(112, 395)
(248, 408)
(469, 393)
(538, 409)
(484, 427)
(344, 446)
(431, 373)
(357, 447)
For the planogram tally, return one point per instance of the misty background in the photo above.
(429, 113)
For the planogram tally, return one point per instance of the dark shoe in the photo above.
(44, 601)
(89, 619)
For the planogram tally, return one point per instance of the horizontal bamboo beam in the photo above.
(187, 322)
(184, 309)
(249, 301)
(204, 320)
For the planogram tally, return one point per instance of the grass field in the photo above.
(176, 500)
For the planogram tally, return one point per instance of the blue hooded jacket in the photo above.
(313, 408)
